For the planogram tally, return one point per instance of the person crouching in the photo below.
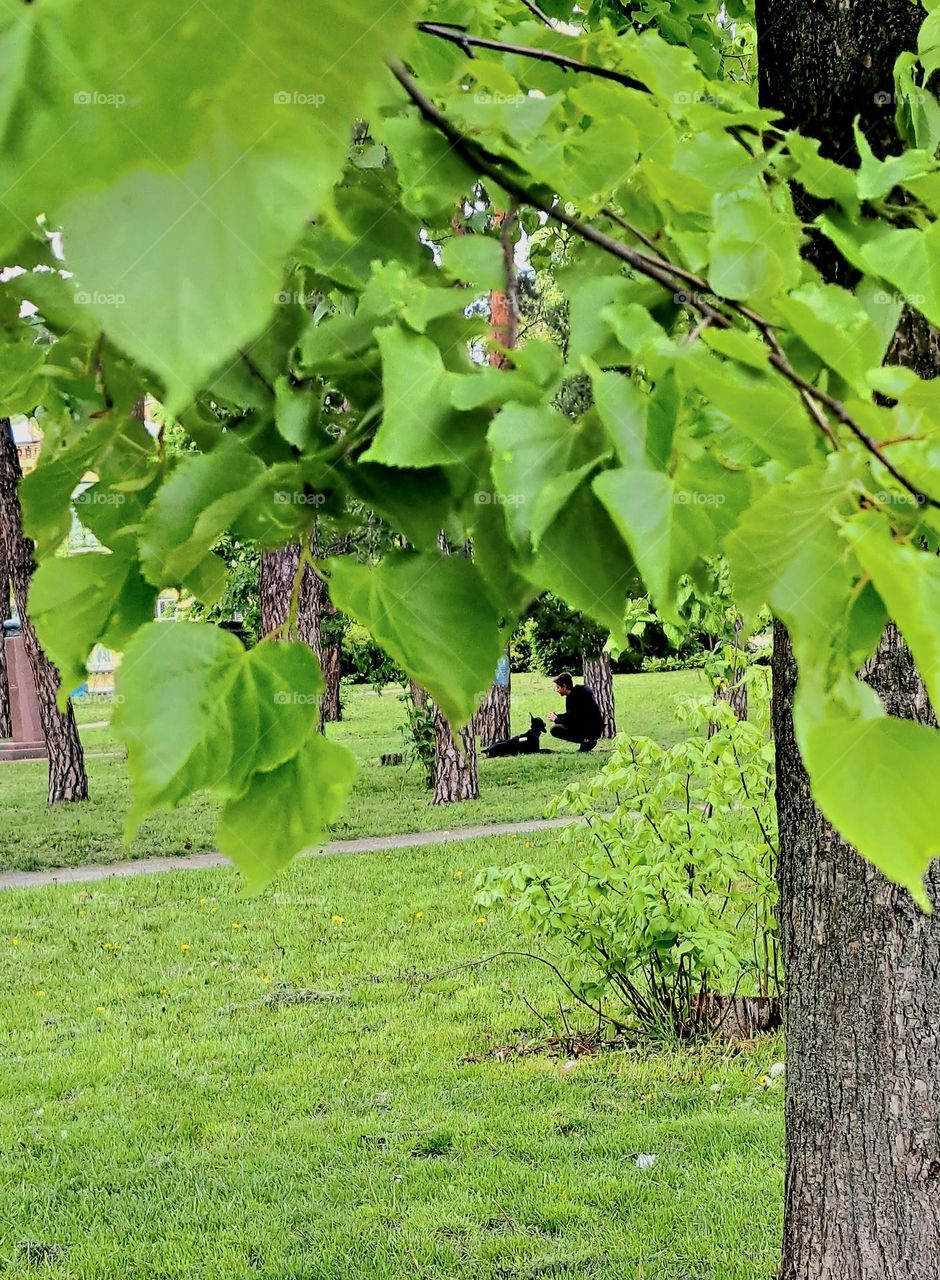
(581, 721)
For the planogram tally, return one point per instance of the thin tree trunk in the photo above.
(455, 762)
(6, 722)
(455, 754)
(492, 722)
(862, 963)
(68, 780)
(276, 579)
(598, 677)
(733, 691)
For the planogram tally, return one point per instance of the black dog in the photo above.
(523, 744)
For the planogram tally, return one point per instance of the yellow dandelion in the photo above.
(185, 946)
(164, 992)
(14, 942)
(235, 925)
(338, 919)
(99, 1008)
(419, 915)
(458, 874)
(481, 919)
(266, 981)
(40, 995)
(203, 901)
(528, 844)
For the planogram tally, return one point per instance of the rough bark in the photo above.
(6, 723)
(455, 763)
(862, 963)
(68, 780)
(491, 722)
(863, 1028)
(598, 677)
(455, 753)
(277, 576)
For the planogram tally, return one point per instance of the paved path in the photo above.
(206, 861)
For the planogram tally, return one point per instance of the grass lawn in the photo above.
(386, 800)
(172, 1107)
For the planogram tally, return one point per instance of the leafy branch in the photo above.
(663, 272)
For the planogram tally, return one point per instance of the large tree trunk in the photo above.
(598, 677)
(862, 963)
(863, 1027)
(67, 778)
(6, 722)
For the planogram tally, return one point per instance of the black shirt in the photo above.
(581, 713)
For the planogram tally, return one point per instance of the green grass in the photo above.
(385, 801)
(160, 1121)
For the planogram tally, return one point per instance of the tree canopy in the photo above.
(277, 224)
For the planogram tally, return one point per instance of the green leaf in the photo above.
(431, 614)
(202, 144)
(665, 528)
(875, 780)
(908, 580)
(834, 325)
(476, 260)
(287, 809)
(196, 711)
(582, 559)
(530, 448)
(21, 382)
(750, 249)
(419, 428)
(80, 600)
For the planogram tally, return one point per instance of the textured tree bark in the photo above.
(863, 1027)
(598, 677)
(862, 963)
(68, 780)
(6, 723)
(492, 720)
(455, 763)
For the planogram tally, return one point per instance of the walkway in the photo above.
(206, 861)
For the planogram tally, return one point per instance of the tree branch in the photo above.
(467, 42)
(655, 268)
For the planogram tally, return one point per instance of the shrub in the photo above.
(669, 905)
(364, 662)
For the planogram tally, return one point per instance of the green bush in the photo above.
(670, 899)
(364, 662)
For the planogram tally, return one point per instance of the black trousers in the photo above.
(570, 735)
